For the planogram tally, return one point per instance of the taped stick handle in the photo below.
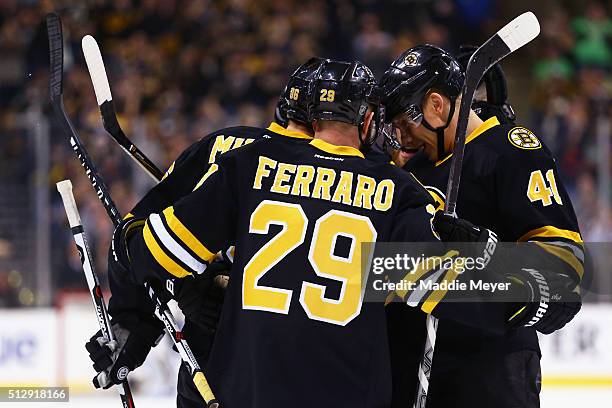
(204, 389)
(65, 189)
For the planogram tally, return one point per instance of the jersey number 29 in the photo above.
(347, 270)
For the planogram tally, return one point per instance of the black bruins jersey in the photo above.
(509, 184)
(180, 180)
(294, 329)
(187, 170)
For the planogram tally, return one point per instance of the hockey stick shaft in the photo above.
(74, 219)
(54, 29)
(424, 373)
(99, 79)
(161, 309)
(517, 33)
(511, 37)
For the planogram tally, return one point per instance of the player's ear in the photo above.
(436, 103)
(367, 122)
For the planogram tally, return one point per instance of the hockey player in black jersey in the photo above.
(509, 184)
(131, 308)
(294, 330)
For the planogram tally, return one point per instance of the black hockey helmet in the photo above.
(496, 103)
(342, 91)
(293, 102)
(280, 113)
(411, 76)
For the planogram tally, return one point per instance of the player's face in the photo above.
(401, 156)
(413, 137)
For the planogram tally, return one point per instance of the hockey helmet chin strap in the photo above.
(439, 131)
(366, 141)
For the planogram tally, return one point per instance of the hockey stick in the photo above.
(54, 28)
(97, 72)
(74, 219)
(161, 309)
(510, 38)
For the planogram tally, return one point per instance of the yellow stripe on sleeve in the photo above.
(213, 167)
(549, 231)
(564, 254)
(181, 231)
(160, 256)
(170, 170)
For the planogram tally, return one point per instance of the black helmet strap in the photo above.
(367, 141)
(439, 131)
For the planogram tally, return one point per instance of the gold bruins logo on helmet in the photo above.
(410, 59)
(523, 138)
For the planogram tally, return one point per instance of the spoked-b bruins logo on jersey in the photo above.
(523, 138)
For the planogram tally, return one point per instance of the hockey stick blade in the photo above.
(97, 72)
(99, 79)
(56, 55)
(510, 38)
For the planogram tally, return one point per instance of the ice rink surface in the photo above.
(552, 398)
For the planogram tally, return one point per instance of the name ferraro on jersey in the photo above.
(325, 184)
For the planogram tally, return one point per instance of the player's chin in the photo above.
(431, 153)
(405, 156)
(407, 153)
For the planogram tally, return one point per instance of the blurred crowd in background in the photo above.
(181, 68)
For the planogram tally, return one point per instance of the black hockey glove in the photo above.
(552, 300)
(496, 101)
(113, 360)
(201, 298)
(451, 229)
(543, 299)
(118, 257)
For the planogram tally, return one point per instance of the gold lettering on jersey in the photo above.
(364, 191)
(303, 177)
(238, 142)
(343, 189)
(383, 198)
(263, 170)
(224, 144)
(324, 183)
(283, 175)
